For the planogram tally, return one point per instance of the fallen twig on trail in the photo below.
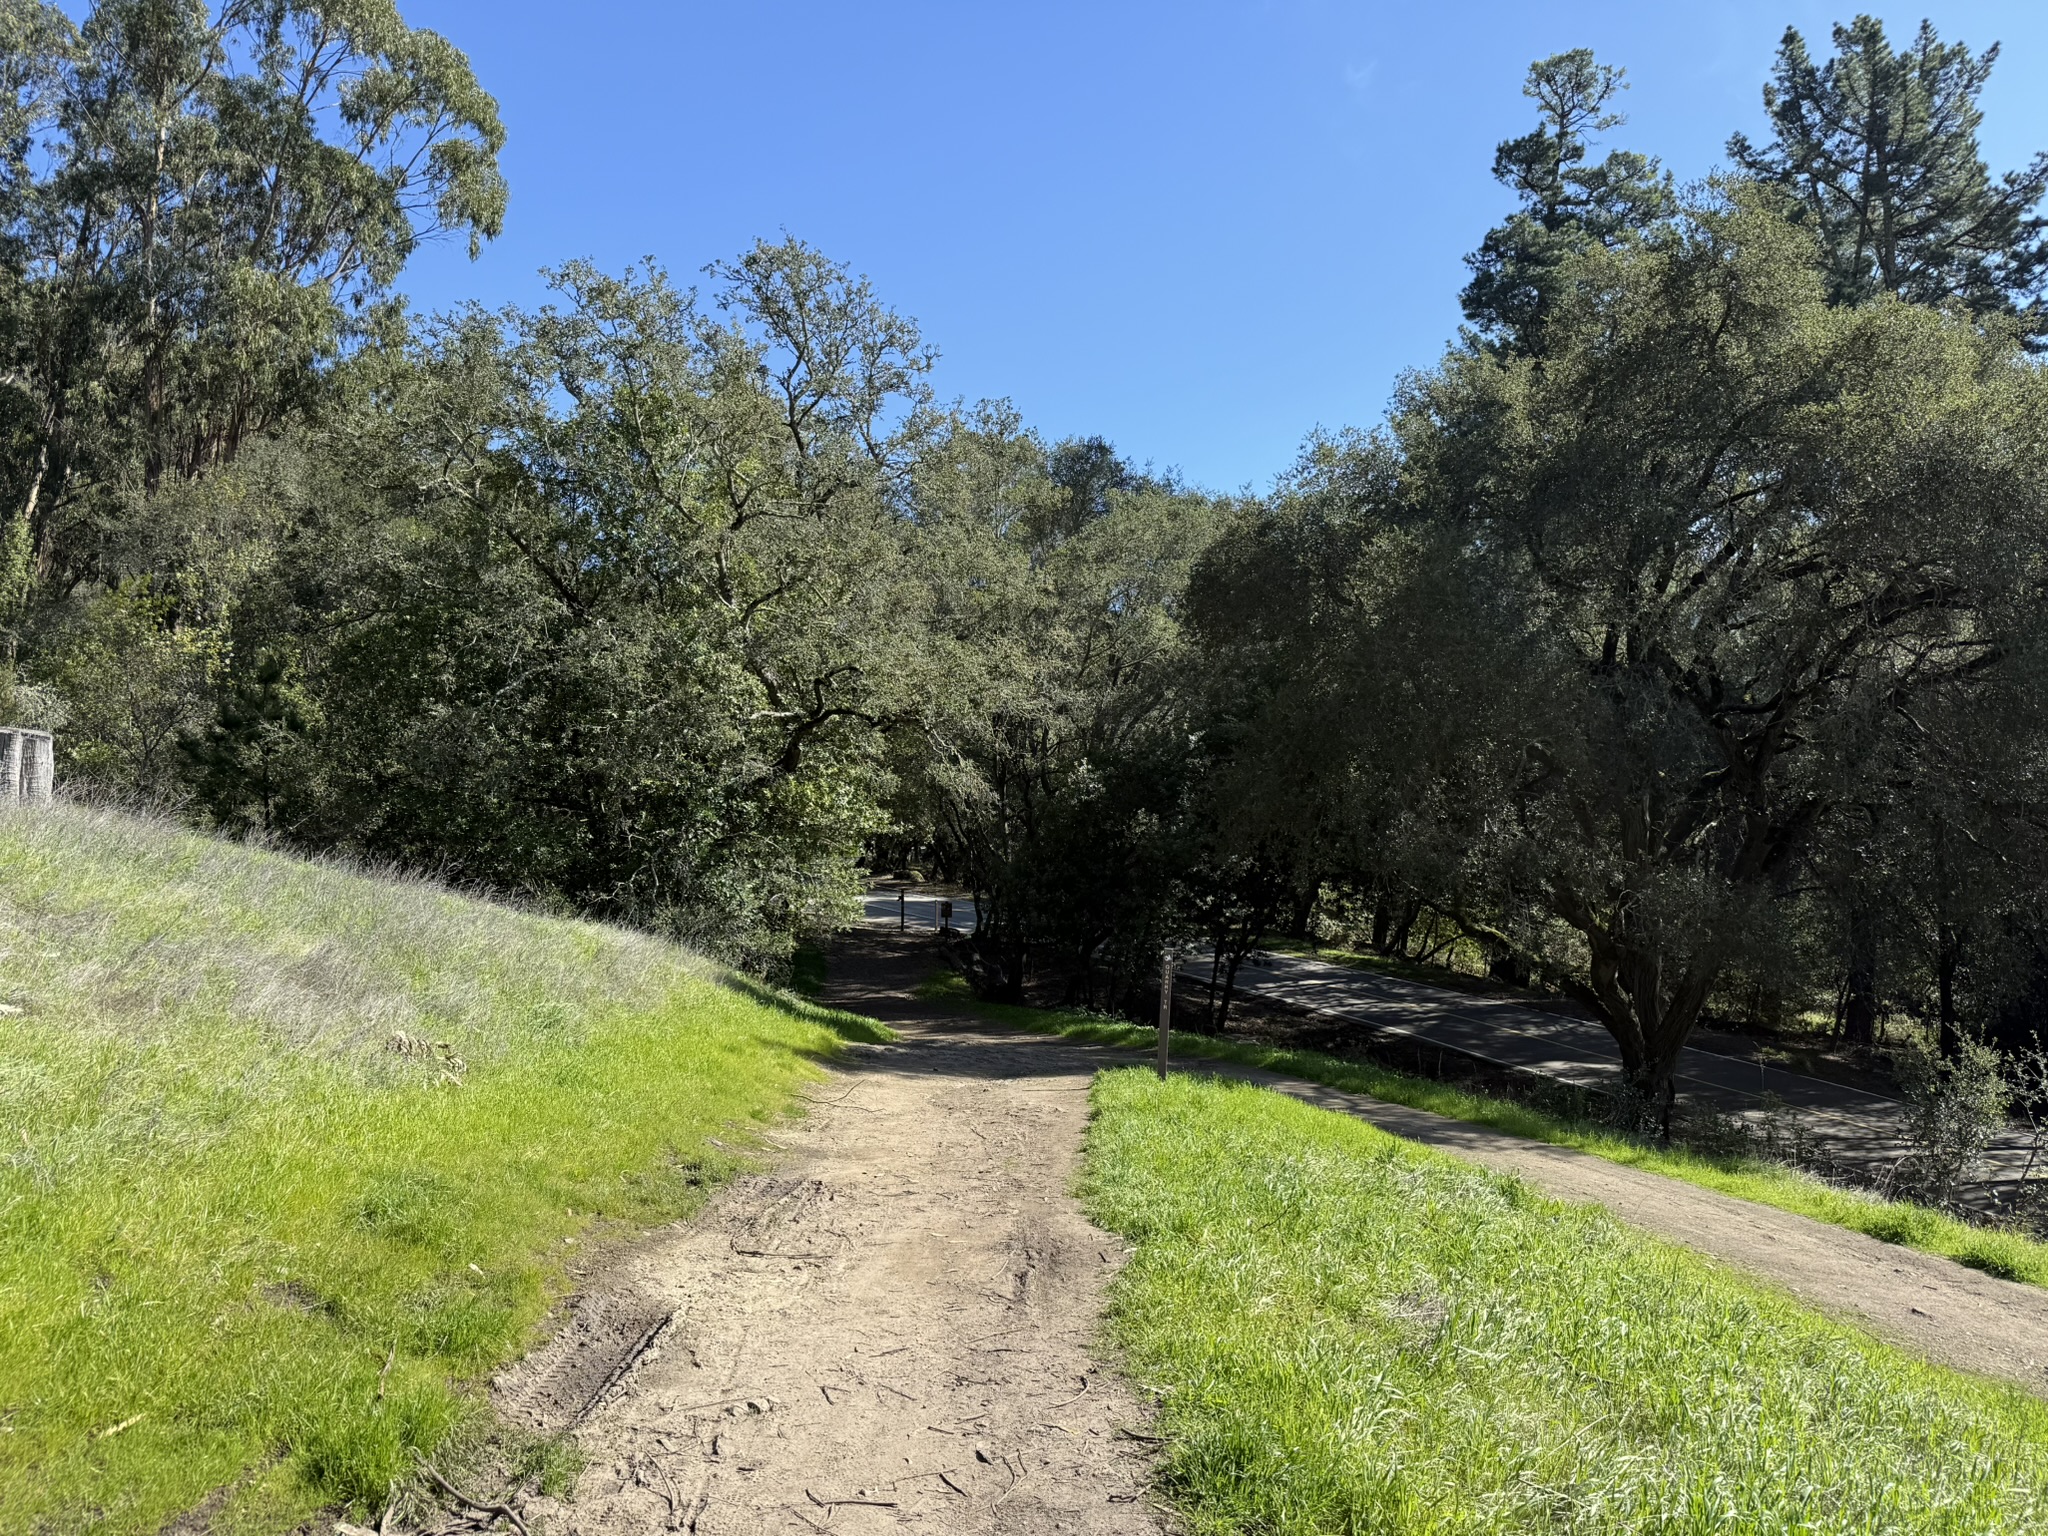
(850, 1092)
(1075, 1398)
(833, 1503)
(948, 1481)
(499, 1511)
(667, 1490)
(717, 1402)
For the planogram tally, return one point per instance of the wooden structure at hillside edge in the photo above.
(28, 765)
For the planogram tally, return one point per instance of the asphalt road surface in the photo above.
(1861, 1129)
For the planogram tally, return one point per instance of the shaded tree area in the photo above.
(1675, 643)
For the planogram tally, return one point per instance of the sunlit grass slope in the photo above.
(1349, 1333)
(269, 1125)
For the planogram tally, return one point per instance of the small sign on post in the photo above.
(1166, 968)
(945, 916)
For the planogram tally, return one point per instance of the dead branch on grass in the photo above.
(503, 1512)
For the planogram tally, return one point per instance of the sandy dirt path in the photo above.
(896, 1328)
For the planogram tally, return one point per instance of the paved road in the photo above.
(919, 906)
(1861, 1129)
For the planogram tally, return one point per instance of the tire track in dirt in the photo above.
(896, 1327)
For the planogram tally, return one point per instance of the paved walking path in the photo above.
(1864, 1130)
(1933, 1307)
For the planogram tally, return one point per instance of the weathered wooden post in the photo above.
(39, 767)
(1166, 967)
(28, 765)
(902, 911)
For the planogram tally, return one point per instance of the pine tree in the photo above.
(1567, 204)
(1878, 150)
(237, 763)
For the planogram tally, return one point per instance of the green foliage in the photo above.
(276, 1124)
(200, 208)
(1608, 645)
(243, 762)
(1347, 1332)
(133, 688)
(1567, 205)
(1050, 767)
(1959, 1103)
(1877, 150)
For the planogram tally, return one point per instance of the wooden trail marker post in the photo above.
(1165, 1007)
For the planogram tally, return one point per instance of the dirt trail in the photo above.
(894, 1329)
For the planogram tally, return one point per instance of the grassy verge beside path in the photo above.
(295, 1157)
(2009, 1255)
(1347, 1332)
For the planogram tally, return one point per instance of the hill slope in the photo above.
(292, 1153)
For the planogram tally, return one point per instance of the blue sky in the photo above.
(1199, 230)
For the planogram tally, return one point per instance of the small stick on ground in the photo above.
(1075, 1398)
(833, 1503)
(498, 1511)
(645, 1342)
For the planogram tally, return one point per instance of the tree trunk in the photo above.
(1947, 961)
(1649, 1019)
(1859, 992)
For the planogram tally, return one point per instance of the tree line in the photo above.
(1675, 641)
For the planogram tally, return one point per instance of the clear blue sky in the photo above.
(1197, 229)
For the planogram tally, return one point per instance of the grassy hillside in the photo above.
(292, 1154)
(1351, 1333)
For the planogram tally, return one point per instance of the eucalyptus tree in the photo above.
(1878, 150)
(200, 205)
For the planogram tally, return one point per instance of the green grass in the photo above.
(1347, 1333)
(2008, 1254)
(270, 1124)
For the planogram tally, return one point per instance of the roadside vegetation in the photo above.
(2004, 1252)
(1345, 1332)
(297, 1155)
(1674, 641)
